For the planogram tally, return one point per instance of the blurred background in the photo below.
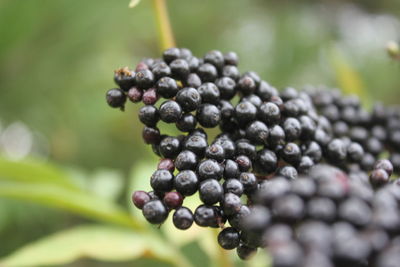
(68, 163)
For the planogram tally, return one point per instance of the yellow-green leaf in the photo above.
(105, 243)
(34, 171)
(79, 202)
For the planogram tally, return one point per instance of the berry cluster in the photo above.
(294, 171)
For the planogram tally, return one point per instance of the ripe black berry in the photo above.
(167, 87)
(169, 147)
(116, 98)
(179, 69)
(208, 115)
(162, 180)
(144, 79)
(189, 99)
(210, 191)
(170, 111)
(209, 169)
(209, 93)
(183, 218)
(229, 238)
(207, 72)
(186, 182)
(155, 212)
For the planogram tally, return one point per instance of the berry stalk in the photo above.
(165, 33)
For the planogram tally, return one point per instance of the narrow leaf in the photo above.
(105, 243)
(33, 171)
(81, 203)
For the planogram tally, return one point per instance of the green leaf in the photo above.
(106, 183)
(105, 243)
(78, 202)
(33, 171)
(134, 3)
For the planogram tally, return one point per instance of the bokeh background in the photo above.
(69, 163)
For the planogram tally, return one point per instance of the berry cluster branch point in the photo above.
(165, 33)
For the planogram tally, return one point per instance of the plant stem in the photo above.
(165, 34)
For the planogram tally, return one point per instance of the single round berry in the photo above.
(162, 181)
(155, 212)
(267, 161)
(207, 72)
(210, 191)
(355, 152)
(197, 144)
(151, 135)
(244, 163)
(149, 115)
(226, 86)
(231, 58)
(245, 252)
(336, 150)
(231, 72)
(183, 218)
(186, 182)
(193, 80)
(214, 57)
(288, 172)
(170, 147)
(186, 123)
(292, 128)
(186, 160)
(229, 238)
(144, 79)
(179, 69)
(245, 112)
(173, 200)
(249, 182)
(116, 98)
(206, 216)
(166, 164)
(150, 96)
(216, 152)
(209, 169)
(231, 169)
(139, 198)
(257, 133)
(384, 164)
(124, 78)
(161, 70)
(170, 111)
(246, 85)
(233, 186)
(209, 93)
(189, 99)
(208, 115)
(171, 54)
(379, 177)
(231, 204)
(167, 87)
(135, 94)
(291, 153)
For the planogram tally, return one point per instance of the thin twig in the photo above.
(165, 33)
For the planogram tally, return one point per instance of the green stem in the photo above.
(165, 34)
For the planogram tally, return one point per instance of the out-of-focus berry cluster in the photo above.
(297, 172)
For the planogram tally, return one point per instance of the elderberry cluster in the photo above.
(297, 172)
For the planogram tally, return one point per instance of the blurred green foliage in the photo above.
(57, 60)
